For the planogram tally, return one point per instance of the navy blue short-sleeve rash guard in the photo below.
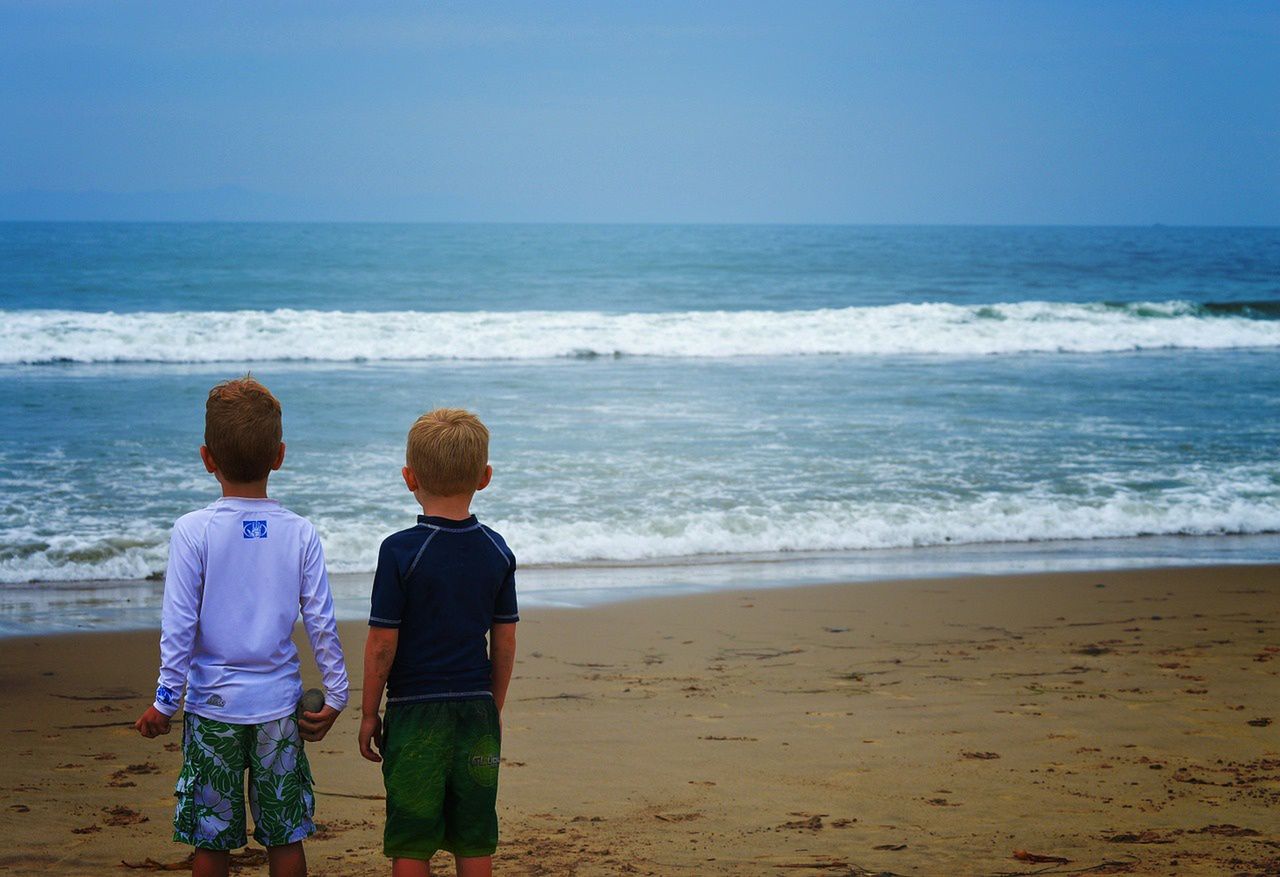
(443, 583)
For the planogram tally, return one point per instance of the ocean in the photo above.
(672, 407)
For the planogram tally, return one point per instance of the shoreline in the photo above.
(916, 726)
(73, 606)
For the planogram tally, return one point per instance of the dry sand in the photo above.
(1128, 722)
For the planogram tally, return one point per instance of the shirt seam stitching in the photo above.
(505, 559)
(417, 557)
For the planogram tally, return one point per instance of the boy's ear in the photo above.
(210, 464)
(279, 459)
(410, 480)
(485, 478)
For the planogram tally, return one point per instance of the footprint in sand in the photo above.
(120, 779)
(811, 823)
(334, 827)
(121, 815)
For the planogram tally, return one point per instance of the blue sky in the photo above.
(895, 112)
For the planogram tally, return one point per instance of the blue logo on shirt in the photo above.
(255, 529)
(165, 696)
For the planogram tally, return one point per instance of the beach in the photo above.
(880, 444)
(1124, 721)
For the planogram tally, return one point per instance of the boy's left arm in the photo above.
(502, 635)
(502, 654)
(322, 630)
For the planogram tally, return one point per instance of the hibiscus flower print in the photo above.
(277, 747)
(213, 812)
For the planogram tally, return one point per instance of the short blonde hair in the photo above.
(448, 450)
(242, 429)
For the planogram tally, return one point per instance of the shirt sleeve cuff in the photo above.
(375, 621)
(337, 701)
(166, 709)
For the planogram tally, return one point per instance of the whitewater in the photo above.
(1240, 501)
(40, 336)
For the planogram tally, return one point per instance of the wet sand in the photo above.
(1127, 722)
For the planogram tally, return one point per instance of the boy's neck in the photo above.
(244, 489)
(455, 508)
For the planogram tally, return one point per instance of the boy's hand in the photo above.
(371, 733)
(153, 723)
(313, 726)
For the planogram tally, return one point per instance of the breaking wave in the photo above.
(53, 336)
(1235, 501)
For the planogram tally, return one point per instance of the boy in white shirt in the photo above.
(239, 570)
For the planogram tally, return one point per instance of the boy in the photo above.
(238, 571)
(439, 588)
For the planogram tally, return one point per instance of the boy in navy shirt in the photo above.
(441, 586)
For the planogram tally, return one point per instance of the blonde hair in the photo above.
(448, 450)
(242, 429)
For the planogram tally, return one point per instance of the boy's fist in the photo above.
(371, 733)
(153, 723)
(313, 726)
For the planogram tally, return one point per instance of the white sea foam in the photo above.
(1231, 500)
(1236, 501)
(47, 336)
(52, 566)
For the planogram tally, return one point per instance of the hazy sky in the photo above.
(956, 112)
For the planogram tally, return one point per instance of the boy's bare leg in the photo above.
(211, 863)
(474, 866)
(410, 868)
(287, 861)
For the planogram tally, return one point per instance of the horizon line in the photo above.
(646, 222)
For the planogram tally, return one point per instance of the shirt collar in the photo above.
(245, 503)
(448, 524)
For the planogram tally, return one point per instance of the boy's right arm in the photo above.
(386, 609)
(183, 580)
(379, 653)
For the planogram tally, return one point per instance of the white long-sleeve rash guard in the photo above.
(239, 571)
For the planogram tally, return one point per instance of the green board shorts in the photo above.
(210, 790)
(440, 766)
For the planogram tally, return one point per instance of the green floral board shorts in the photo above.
(440, 766)
(210, 790)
